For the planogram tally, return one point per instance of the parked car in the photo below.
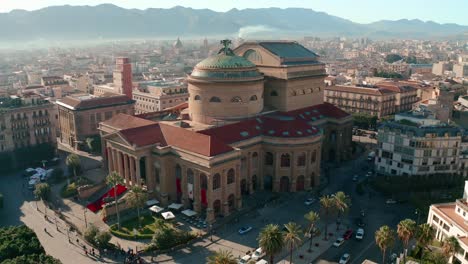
(29, 172)
(32, 183)
(390, 201)
(339, 241)
(345, 258)
(244, 260)
(360, 222)
(245, 230)
(355, 178)
(309, 201)
(360, 234)
(54, 161)
(347, 235)
(258, 254)
(262, 261)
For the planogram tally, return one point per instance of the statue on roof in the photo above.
(225, 49)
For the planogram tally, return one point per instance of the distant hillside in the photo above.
(109, 21)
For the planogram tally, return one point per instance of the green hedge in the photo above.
(124, 235)
(69, 190)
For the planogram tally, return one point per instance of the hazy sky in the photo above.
(362, 11)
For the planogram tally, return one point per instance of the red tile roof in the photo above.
(324, 110)
(141, 132)
(359, 90)
(124, 121)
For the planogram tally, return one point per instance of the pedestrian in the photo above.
(77, 241)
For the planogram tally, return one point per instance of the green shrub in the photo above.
(90, 233)
(102, 239)
(69, 190)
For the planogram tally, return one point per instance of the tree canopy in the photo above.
(19, 244)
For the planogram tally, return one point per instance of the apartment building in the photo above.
(416, 145)
(159, 95)
(26, 121)
(370, 100)
(449, 219)
(406, 95)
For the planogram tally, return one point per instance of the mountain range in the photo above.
(112, 22)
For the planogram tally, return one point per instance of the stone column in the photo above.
(126, 168)
(292, 177)
(110, 161)
(276, 176)
(249, 173)
(224, 203)
(238, 188)
(185, 198)
(260, 171)
(132, 170)
(138, 172)
(119, 163)
(115, 166)
(210, 217)
(308, 171)
(150, 185)
(196, 192)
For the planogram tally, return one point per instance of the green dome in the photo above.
(223, 61)
(226, 67)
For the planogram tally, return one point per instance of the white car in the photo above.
(244, 260)
(32, 183)
(359, 234)
(355, 178)
(369, 173)
(345, 258)
(309, 201)
(390, 201)
(245, 230)
(258, 253)
(339, 242)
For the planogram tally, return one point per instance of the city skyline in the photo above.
(364, 12)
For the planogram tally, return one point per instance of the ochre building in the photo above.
(255, 120)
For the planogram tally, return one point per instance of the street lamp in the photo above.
(416, 212)
(85, 220)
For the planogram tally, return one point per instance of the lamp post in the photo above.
(416, 212)
(85, 220)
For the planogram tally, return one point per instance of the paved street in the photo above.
(20, 208)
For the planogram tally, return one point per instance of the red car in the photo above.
(347, 235)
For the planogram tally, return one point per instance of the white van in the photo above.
(244, 260)
(258, 254)
(262, 261)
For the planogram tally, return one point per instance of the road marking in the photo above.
(362, 252)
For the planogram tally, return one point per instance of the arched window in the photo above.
(231, 176)
(253, 98)
(293, 93)
(236, 99)
(216, 181)
(268, 158)
(197, 98)
(253, 56)
(285, 160)
(273, 93)
(313, 157)
(215, 99)
(301, 160)
(311, 90)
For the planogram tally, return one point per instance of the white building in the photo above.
(451, 219)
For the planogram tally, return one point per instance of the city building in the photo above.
(460, 70)
(366, 99)
(79, 116)
(441, 67)
(405, 97)
(156, 96)
(417, 144)
(449, 219)
(255, 121)
(122, 80)
(79, 82)
(26, 122)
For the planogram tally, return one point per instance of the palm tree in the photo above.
(221, 257)
(292, 237)
(137, 198)
(312, 217)
(406, 230)
(114, 179)
(425, 233)
(450, 246)
(342, 204)
(73, 162)
(271, 240)
(384, 238)
(327, 204)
